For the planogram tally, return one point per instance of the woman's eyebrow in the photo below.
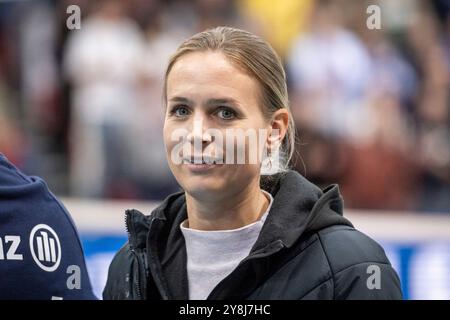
(210, 102)
(222, 101)
(181, 99)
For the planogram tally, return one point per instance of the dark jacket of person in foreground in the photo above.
(306, 250)
(40, 253)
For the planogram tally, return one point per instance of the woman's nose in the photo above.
(199, 133)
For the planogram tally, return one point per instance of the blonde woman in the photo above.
(251, 229)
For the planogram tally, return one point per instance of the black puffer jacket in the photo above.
(306, 250)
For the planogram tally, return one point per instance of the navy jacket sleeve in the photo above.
(41, 256)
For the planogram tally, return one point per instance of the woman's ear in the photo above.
(278, 128)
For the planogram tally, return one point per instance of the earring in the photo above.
(269, 154)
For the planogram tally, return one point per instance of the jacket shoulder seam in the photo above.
(364, 262)
(341, 228)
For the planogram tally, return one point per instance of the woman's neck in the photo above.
(230, 212)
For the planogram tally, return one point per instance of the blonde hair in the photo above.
(255, 56)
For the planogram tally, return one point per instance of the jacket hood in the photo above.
(299, 207)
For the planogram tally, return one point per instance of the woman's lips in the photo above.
(200, 167)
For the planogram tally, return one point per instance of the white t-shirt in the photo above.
(213, 255)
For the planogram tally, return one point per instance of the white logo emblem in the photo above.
(44, 241)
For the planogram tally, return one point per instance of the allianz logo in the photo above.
(44, 246)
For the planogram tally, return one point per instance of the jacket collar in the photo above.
(299, 206)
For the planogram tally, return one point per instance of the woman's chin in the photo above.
(204, 188)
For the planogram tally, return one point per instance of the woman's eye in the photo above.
(226, 114)
(180, 111)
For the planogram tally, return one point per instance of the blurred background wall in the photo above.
(82, 108)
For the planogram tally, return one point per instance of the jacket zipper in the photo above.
(153, 266)
(136, 284)
(155, 269)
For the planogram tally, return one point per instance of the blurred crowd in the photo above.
(83, 108)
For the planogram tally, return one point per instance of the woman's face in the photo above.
(210, 103)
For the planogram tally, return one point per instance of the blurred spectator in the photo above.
(357, 92)
(40, 92)
(433, 104)
(330, 70)
(102, 61)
